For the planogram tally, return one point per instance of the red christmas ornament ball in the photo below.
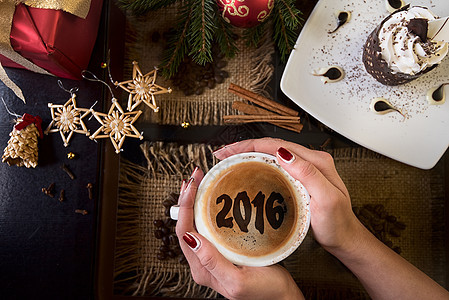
(245, 13)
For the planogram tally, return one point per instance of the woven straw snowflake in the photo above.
(117, 125)
(142, 88)
(67, 119)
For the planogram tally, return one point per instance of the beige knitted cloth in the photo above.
(414, 196)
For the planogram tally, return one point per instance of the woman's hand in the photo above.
(332, 219)
(383, 273)
(210, 268)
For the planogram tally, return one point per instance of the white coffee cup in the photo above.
(251, 209)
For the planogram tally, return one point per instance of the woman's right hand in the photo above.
(383, 273)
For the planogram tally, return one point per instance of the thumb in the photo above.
(210, 258)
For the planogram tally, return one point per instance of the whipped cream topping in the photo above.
(403, 50)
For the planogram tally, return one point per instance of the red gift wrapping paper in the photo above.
(56, 41)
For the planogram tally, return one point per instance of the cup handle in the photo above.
(174, 210)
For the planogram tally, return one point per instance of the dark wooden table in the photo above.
(49, 252)
(46, 249)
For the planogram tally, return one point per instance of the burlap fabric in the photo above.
(251, 68)
(414, 196)
(137, 269)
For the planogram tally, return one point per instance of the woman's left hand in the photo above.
(210, 268)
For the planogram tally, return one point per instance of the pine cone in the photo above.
(22, 149)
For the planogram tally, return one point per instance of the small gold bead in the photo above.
(185, 124)
(104, 65)
(71, 155)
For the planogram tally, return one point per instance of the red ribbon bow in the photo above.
(29, 119)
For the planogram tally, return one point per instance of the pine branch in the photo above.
(178, 43)
(141, 7)
(200, 24)
(253, 35)
(286, 22)
(224, 35)
(291, 13)
(201, 31)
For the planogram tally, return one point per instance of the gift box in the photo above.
(54, 40)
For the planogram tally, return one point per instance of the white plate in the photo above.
(418, 140)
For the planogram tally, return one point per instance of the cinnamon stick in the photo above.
(254, 110)
(262, 118)
(250, 109)
(293, 127)
(261, 101)
(296, 127)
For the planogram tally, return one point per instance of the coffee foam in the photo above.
(252, 178)
(259, 254)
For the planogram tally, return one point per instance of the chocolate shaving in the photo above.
(419, 27)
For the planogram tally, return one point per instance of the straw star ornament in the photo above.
(67, 119)
(116, 125)
(142, 88)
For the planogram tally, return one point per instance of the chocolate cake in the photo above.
(398, 71)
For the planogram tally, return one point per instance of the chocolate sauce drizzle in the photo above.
(332, 74)
(342, 18)
(382, 106)
(437, 95)
(396, 4)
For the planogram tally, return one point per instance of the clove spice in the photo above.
(49, 191)
(61, 195)
(89, 187)
(66, 169)
(81, 211)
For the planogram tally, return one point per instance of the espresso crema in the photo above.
(251, 208)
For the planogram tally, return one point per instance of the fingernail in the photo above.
(192, 241)
(189, 183)
(285, 155)
(183, 187)
(194, 171)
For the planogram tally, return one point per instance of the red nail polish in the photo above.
(191, 241)
(286, 155)
(189, 183)
(183, 186)
(194, 171)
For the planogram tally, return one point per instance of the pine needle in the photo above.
(178, 43)
(141, 7)
(253, 35)
(201, 31)
(286, 23)
(200, 24)
(224, 36)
